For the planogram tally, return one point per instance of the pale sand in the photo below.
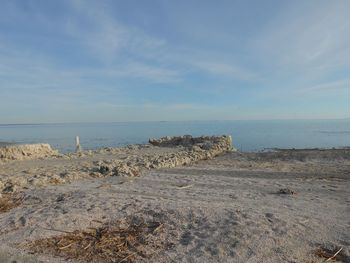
(223, 210)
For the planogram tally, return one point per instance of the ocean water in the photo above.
(247, 135)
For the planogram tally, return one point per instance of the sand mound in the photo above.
(26, 151)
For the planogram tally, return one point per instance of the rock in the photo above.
(27, 151)
(205, 142)
(207, 145)
(63, 174)
(286, 191)
(22, 220)
(104, 169)
(132, 147)
(60, 198)
(147, 165)
(126, 170)
(9, 188)
(188, 151)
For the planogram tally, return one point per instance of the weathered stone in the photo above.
(104, 169)
(26, 151)
(189, 150)
(204, 142)
(286, 191)
(9, 188)
(60, 198)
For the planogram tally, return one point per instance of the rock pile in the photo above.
(205, 142)
(195, 149)
(183, 150)
(26, 151)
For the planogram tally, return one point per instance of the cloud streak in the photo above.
(312, 34)
(106, 37)
(227, 70)
(330, 86)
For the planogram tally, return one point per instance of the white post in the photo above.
(77, 144)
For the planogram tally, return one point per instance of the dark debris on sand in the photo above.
(286, 191)
(333, 254)
(9, 201)
(112, 242)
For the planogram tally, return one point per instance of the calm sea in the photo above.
(247, 135)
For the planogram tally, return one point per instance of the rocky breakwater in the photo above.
(193, 149)
(26, 151)
(130, 161)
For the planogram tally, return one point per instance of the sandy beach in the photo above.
(174, 131)
(191, 200)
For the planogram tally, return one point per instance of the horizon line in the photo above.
(133, 121)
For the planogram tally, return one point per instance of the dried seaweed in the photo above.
(113, 242)
(9, 201)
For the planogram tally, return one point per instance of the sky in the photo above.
(135, 60)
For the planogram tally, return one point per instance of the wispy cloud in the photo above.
(175, 106)
(109, 40)
(90, 29)
(310, 34)
(144, 71)
(329, 86)
(227, 70)
(123, 51)
(97, 29)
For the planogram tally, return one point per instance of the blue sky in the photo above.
(67, 61)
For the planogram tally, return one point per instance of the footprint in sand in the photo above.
(277, 225)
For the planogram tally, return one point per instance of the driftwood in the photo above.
(333, 257)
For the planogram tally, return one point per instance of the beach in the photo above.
(174, 131)
(190, 199)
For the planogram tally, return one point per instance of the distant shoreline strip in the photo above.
(3, 144)
(335, 132)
